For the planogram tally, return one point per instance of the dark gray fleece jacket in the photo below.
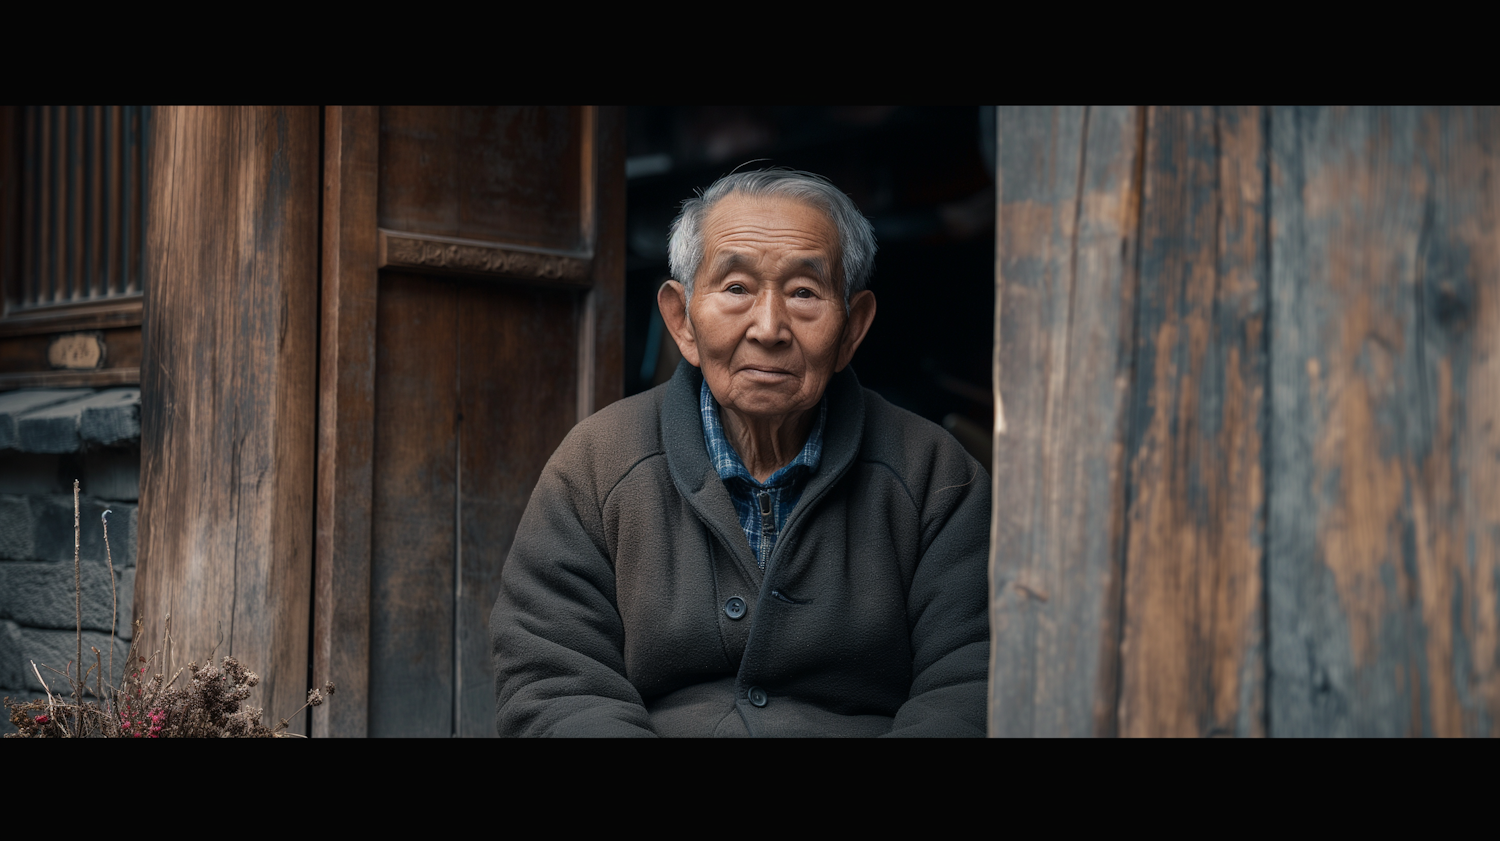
(630, 604)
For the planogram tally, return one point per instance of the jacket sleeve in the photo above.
(948, 610)
(556, 634)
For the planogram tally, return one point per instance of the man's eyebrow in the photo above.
(726, 264)
(816, 266)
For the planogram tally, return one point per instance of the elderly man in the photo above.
(759, 546)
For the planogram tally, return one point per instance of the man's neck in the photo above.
(765, 445)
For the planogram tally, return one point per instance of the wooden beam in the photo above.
(228, 391)
(1068, 182)
(439, 255)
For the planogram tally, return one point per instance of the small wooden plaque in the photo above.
(77, 351)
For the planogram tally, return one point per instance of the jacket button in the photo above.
(757, 696)
(734, 608)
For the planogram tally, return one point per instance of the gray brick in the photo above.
(16, 528)
(13, 404)
(51, 429)
(41, 595)
(111, 417)
(52, 535)
(11, 659)
(59, 648)
(125, 592)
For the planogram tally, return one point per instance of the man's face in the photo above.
(767, 324)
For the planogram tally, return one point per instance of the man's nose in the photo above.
(768, 319)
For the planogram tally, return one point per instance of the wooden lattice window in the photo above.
(73, 241)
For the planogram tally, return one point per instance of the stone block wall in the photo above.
(48, 438)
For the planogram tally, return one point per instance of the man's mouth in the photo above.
(765, 372)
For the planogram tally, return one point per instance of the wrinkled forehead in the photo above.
(748, 220)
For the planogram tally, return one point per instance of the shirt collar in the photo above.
(727, 461)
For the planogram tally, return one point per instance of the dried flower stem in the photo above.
(114, 599)
(51, 707)
(77, 613)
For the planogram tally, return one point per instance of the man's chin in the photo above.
(765, 406)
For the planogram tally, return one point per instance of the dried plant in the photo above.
(210, 704)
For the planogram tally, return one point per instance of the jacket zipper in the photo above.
(767, 527)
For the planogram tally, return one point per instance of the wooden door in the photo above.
(474, 316)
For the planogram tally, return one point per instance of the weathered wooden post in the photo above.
(1249, 476)
(228, 379)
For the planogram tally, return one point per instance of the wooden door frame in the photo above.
(346, 417)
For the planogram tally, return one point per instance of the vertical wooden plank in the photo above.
(15, 187)
(135, 166)
(414, 508)
(533, 361)
(68, 157)
(50, 216)
(113, 283)
(94, 204)
(31, 213)
(1384, 563)
(602, 327)
(1068, 197)
(228, 376)
(517, 393)
(346, 420)
(1192, 658)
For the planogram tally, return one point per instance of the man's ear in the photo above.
(861, 316)
(671, 298)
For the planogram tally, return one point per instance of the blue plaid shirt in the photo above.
(762, 508)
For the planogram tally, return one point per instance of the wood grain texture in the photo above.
(1384, 522)
(1191, 655)
(512, 174)
(346, 419)
(1068, 195)
(601, 347)
(71, 379)
(121, 311)
(413, 540)
(517, 387)
(477, 380)
(228, 391)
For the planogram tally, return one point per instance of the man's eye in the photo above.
(804, 292)
(736, 289)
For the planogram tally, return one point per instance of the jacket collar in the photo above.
(693, 472)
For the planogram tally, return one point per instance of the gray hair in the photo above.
(856, 237)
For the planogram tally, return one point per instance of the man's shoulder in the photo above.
(607, 443)
(916, 449)
(891, 430)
